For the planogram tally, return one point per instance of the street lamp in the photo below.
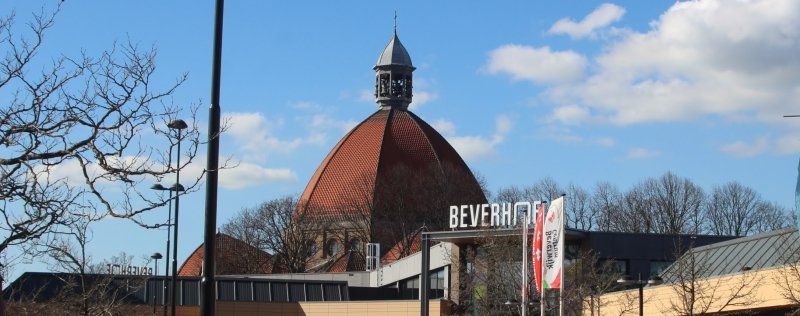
(155, 257)
(628, 280)
(160, 187)
(178, 125)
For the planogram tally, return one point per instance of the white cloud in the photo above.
(306, 105)
(604, 141)
(565, 135)
(323, 122)
(421, 97)
(702, 58)
(366, 95)
(602, 16)
(788, 144)
(424, 93)
(540, 65)
(476, 147)
(570, 114)
(744, 149)
(248, 174)
(252, 135)
(444, 127)
(641, 153)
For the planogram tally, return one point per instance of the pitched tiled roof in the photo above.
(402, 249)
(234, 256)
(386, 139)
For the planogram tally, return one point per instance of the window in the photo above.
(656, 267)
(612, 265)
(437, 284)
(409, 288)
(355, 244)
(332, 247)
(311, 248)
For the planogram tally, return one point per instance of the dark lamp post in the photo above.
(164, 292)
(178, 125)
(155, 257)
(628, 280)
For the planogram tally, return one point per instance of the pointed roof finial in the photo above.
(395, 21)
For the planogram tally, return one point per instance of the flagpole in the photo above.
(541, 266)
(563, 246)
(524, 293)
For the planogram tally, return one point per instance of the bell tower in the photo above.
(393, 79)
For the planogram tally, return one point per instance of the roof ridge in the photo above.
(745, 239)
(386, 128)
(326, 163)
(417, 120)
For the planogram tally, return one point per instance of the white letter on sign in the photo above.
(453, 216)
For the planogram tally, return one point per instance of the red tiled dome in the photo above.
(391, 175)
(387, 139)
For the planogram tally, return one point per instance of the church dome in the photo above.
(388, 139)
(392, 174)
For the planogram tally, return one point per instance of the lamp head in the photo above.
(158, 187)
(177, 187)
(156, 256)
(177, 124)
(626, 280)
(655, 280)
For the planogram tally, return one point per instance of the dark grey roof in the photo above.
(44, 287)
(756, 252)
(394, 54)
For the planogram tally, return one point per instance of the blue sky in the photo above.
(581, 91)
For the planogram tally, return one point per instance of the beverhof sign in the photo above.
(491, 215)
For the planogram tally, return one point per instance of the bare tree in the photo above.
(546, 189)
(579, 211)
(667, 205)
(773, 217)
(490, 278)
(698, 292)
(589, 278)
(402, 202)
(79, 287)
(77, 127)
(636, 212)
(734, 209)
(606, 200)
(676, 203)
(274, 228)
(788, 277)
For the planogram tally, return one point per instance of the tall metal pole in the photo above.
(524, 299)
(166, 262)
(641, 298)
(154, 285)
(208, 293)
(178, 188)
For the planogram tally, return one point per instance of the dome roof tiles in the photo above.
(385, 140)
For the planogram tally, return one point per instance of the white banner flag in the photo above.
(553, 244)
